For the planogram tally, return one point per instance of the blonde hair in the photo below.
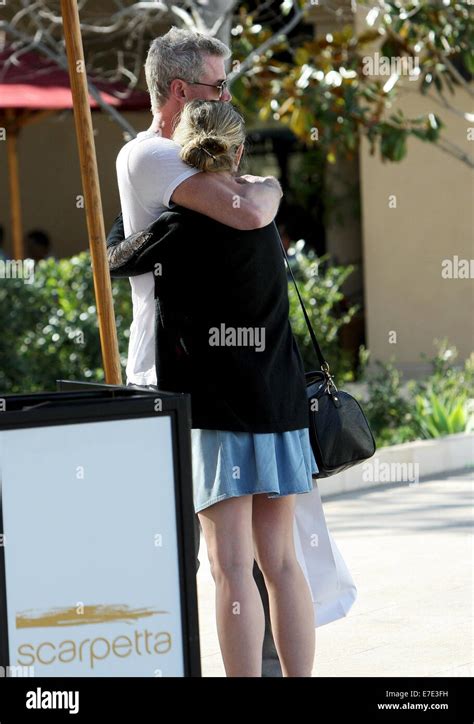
(210, 132)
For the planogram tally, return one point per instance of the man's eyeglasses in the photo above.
(221, 87)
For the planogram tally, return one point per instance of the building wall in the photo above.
(50, 178)
(404, 247)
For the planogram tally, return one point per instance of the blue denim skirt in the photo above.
(228, 464)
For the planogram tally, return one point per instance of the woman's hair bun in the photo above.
(213, 144)
(210, 132)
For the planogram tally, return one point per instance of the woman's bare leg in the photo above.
(227, 528)
(291, 607)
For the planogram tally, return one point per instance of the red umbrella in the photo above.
(35, 82)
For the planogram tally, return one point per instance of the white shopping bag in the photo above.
(332, 588)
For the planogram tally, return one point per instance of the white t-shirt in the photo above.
(149, 169)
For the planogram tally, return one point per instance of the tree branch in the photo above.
(451, 149)
(117, 17)
(441, 101)
(456, 73)
(273, 40)
(61, 60)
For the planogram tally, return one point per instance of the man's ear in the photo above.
(178, 90)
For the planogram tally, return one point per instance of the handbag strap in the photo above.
(317, 349)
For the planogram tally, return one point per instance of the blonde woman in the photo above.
(223, 335)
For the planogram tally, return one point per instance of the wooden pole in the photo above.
(91, 188)
(14, 183)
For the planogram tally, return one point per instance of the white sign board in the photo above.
(91, 551)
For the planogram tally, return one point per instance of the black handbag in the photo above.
(338, 429)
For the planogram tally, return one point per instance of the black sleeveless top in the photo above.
(222, 327)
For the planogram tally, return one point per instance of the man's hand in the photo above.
(264, 191)
(249, 178)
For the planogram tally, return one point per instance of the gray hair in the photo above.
(178, 54)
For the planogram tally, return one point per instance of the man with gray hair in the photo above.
(181, 66)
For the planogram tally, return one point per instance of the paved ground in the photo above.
(410, 552)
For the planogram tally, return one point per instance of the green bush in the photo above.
(50, 327)
(442, 403)
(434, 418)
(320, 286)
(389, 414)
(438, 405)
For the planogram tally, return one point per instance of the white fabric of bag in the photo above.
(333, 590)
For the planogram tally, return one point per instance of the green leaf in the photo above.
(400, 148)
(468, 59)
(458, 419)
(439, 415)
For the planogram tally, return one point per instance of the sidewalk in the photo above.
(410, 552)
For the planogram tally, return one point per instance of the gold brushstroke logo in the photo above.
(89, 615)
